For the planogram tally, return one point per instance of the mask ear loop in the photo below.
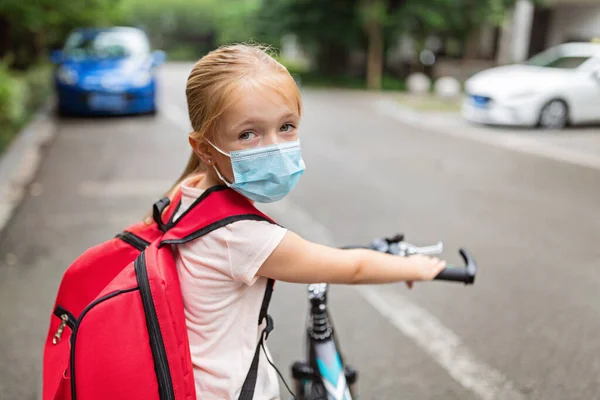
(217, 149)
(215, 167)
(221, 177)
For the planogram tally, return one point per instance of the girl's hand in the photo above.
(425, 268)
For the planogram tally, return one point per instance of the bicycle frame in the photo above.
(323, 375)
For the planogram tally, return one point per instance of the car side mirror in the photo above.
(158, 57)
(56, 57)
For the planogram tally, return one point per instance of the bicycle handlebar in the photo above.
(397, 246)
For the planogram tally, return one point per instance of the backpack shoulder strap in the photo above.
(141, 234)
(164, 219)
(217, 207)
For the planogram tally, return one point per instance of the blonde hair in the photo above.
(215, 82)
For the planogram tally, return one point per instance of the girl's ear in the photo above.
(202, 149)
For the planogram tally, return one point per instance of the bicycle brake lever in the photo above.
(395, 239)
(406, 249)
(437, 248)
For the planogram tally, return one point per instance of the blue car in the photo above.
(106, 71)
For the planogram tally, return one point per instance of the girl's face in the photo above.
(261, 117)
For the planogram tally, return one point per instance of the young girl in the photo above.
(245, 110)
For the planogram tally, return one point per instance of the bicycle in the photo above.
(324, 375)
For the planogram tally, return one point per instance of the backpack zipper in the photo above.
(159, 354)
(66, 319)
(76, 330)
(133, 240)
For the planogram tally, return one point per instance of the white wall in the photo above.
(574, 21)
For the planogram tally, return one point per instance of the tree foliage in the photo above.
(454, 18)
(329, 28)
(28, 27)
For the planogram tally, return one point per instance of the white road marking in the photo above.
(439, 342)
(514, 142)
(124, 188)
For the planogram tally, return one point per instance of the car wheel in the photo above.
(554, 115)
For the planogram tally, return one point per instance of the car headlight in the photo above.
(142, 79)
(67, 75)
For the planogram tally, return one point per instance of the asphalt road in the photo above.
(528, 329)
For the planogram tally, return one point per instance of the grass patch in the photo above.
(185, 53)
(301, 71)
(429, 103)
(317, 80)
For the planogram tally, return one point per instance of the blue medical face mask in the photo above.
(265, 174)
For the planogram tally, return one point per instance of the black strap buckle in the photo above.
(269, 328)
(157, 210)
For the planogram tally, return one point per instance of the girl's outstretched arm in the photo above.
(300, 261)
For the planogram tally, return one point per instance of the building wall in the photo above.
(574, 22)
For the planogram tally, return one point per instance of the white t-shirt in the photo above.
(222, 297)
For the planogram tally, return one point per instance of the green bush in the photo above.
(38, 83)
(21, 95)
(12, 97)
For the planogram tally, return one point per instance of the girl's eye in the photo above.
(287, 128)
(247, 135)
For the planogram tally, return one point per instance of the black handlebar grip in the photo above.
(464, 274)
(454, 274)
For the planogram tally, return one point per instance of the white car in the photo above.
(558, 87)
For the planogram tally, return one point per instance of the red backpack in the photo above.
(118, 330)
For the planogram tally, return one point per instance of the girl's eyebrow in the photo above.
(246, 123)
(290, 115)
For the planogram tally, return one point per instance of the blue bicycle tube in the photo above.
(332, 371)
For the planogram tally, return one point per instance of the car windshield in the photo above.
(557, 59)
(106, 44)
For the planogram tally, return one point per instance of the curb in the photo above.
(20, 161)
